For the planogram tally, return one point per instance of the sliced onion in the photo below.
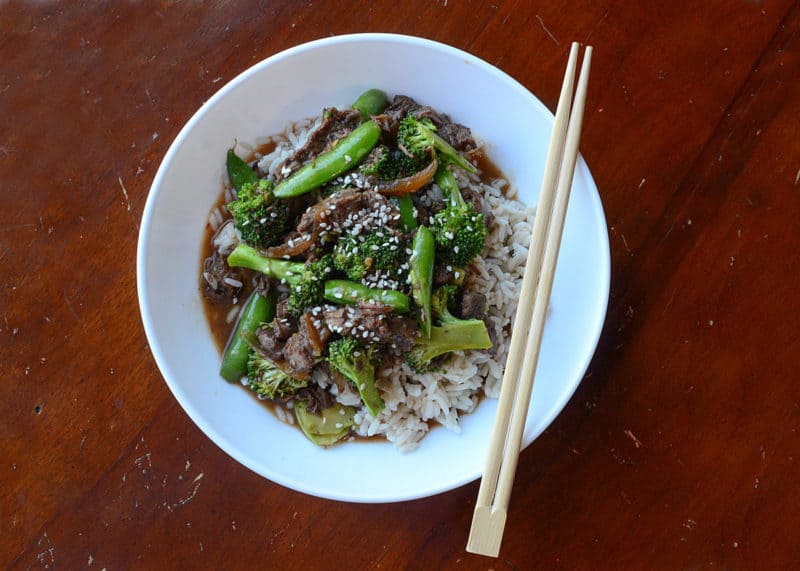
(410, 183)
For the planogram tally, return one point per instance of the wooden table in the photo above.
(679, 450)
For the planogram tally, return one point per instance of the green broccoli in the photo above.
(306, 280)
(453, 334)
(381, 163)
(260, 218)
(353, 361)
(416, 138)
(459, 231)
(267, 380)
(308, 288)
(358, 254)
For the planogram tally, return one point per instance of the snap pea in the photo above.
(348, 292)
(259, 309)
(371, 102)
(423, 250)
(406, 207)
(344, 156)
(326, 428)
(239, 172)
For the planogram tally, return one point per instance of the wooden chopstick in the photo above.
(488, 521)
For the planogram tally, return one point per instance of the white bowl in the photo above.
(296, 84)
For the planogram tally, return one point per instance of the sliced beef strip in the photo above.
(316, 398)
(441, 274)
(299, 353)
(403, 105)
(459, 136)
(215, 288)
(304, 347)
(272, 337)
(471, 305)
(346, 209)
(336, 125)
(372, 323)
(269, 343)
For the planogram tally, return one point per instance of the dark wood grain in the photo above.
(680, 448)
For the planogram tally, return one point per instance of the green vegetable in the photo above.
(353, 361)
(358, 254)
(459, 231)
(270, 381)
(258, 309)
(453, 334)
(308, 289)
(418, 136)
(239, 172)
(349, 293)
(260, 218)
(307, 281)
(407, 210)
(371, 102)
(381, 164)
(347, 153)
(326, 428)
(421, 272)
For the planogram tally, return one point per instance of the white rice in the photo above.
(413, 399)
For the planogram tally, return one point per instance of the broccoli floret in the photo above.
(353, 361)
(358, 254)
(267, 380)
(417, 137)
(308, 287)
(259, 217)
(381, 164)
(453, 334)
(459, 231)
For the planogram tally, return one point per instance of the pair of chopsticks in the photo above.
(489, 518)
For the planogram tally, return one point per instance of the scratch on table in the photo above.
(125, 193)
(597, 25)
(17, 227)
(641, 184)
(72, 309)
(797, 177)
(625, 242)
(636, 442)
(49, 551)
(541, 23)
(147, 456)
(190, 497)
(91, 560)
(671, 298)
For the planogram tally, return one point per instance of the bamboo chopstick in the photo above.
(488, 521)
